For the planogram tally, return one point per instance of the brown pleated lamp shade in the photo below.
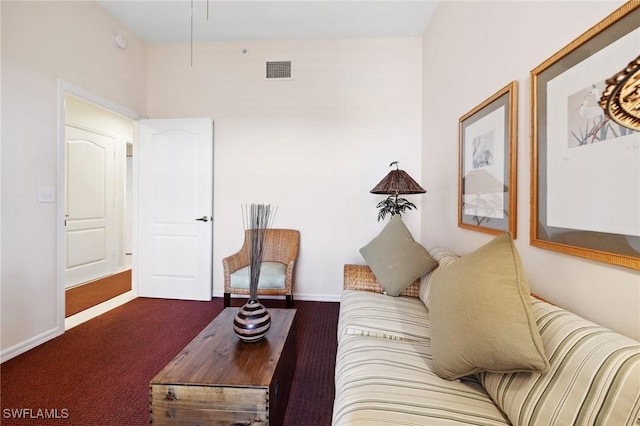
(397, 182)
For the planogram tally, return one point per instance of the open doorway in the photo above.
(98, 203)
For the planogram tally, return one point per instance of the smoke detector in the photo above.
(120, 41)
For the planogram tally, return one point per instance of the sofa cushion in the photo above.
(395, 258)
(481, 318)
(444, 258)
(594, 377)
(391, 382)
(365, 313)
(272, 275)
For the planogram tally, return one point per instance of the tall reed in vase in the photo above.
(253, 320)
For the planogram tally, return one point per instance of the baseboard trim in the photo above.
(94, 311)
(296, 296)
(317, 297)
(23, 347)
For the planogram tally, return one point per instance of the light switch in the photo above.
(46, 194)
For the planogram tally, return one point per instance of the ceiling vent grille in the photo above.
(278, 70)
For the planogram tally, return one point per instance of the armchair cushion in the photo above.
(272, 275)
(395, 258)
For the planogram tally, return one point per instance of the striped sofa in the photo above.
(384, 373)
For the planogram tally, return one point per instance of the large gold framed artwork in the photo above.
(585, 166)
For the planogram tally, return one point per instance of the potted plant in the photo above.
(393, 205)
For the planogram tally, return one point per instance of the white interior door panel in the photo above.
(175, 208)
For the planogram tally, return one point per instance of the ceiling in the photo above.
(163, 21)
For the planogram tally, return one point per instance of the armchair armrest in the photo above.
(234, 262)
(360, 277)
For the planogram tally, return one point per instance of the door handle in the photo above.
(203, 219)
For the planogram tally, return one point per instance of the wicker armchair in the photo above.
(280, 245)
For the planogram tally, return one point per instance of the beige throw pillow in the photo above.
(481, 316)
(444, 259)
(395, 258)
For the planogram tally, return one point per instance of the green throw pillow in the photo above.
(395, 258)
(481, 316)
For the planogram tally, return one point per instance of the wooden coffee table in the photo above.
(218, 379)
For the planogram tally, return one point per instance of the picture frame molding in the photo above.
(536, 85)
(510, 130)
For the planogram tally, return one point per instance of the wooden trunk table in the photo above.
(219, 380)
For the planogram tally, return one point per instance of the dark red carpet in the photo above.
(98, 373)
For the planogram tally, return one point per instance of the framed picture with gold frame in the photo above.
(585, 167)
(487, 164)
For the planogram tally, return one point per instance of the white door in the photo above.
(175, 232)
(89, 206)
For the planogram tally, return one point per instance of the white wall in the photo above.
(41, 43)
(470, 50)
(313, 146)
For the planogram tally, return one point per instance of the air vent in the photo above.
(278, 70)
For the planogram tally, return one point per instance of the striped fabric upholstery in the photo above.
(366, 313)
(594, 377)
(444, 259)
(391, 382)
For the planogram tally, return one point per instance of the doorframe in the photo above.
(66, 88)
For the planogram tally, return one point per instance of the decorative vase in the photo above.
(252, 322)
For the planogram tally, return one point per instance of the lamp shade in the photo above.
(397, 182)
